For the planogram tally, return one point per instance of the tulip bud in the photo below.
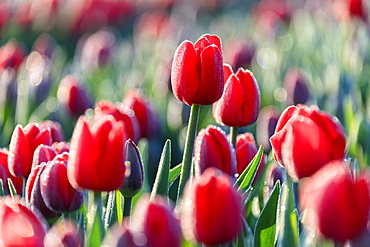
(96, 159)
(5, 174)
(134, 181)
(57, 193)
(296, 87)
(118, 235)
(20, 226)
(240, 103)
(357, 9)
(57, 133)
(197, 76)
(208, 215)
(64, 233)
(240, 54)
(213, 149)
(42, 154)
(154, 224)
(266, 125)
(336, 204)
(11, 55)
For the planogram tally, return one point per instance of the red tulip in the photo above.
(197, 76)
(20, 226)
(306, 139)
(336, 204)
(144, 112)
(11, 55)
(155, 219)
(57, 133)
(42, 154)
(22, 146)
(5, 173)
(239, 53)
(96, 160)
(64, 233)
(212, 209)
(213, 149)
(120, 113)
(57, 193)
(239, 105)
(357, 9)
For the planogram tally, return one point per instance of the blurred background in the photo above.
(60, 57)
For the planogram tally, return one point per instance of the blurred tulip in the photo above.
(5, 13)
(144, 112)
(296, 87)
(57, 133)
(240, 103)
(5, 174)
(23, 143)
(117, 236)
(304, 138)
(8, 89)
(96, 160)
(154, 25)
(239, 54)
(155, 219)
(266, 125)
(213, 149)
(208, 215)
(357, 9)
(60, 147)
(274, 173)
(120, 113)
(73, 96)
(12, 55)
(57, 192)
(45, 45)
(337, 206)
(197, 76)
(135, 180)
(64, 233)
(20, 226)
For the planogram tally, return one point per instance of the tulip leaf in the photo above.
(174, 173)
(246, 178)
(2, 192)
(96, 233)
(265, 229)
(161, 183)
(12, 189)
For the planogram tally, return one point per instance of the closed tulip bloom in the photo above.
(296, 87)
(43, 153)
(306, 139)
(5, 173)
(57, 133)
(119, 235)
(64, 233)
(240, 104)
(19, 225)
(155, 219)
(211, 209)
(213, 149)
(336, 204)
(23, 143)
(96, 160)
(197, 76)
(57, 193)
(12, 55)
(265, 126)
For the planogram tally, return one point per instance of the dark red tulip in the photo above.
(5, 173)
(57, 133)
(197, 75)
(337, 205)
(357, 9)
(42, 154)
(156, 220)
(240, 103)
(212, 209)
(57, 192)
(306, 139)
(120, 113)
(96, 160)
(64, 233)
(296, 87)
(23, 143)
(265, 126)
(239, 54)
(20, 226)
(119, 235)
(144, 112)
(45, 45)
(11, 55)
(213, 149)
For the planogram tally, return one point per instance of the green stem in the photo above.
(127, 206)
(189, 146)
(233, 134)
(98, 203)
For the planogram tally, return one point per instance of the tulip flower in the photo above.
(144, 112)
(197, 76)
(11, 55)
(5, 173)
(118, 235)
(60, 147)
(239, 53)
(57, 193)
(306, 139)
(212, 209)
(336, 204)
(213, 149)
(96, 160)
(23, 143)
(42, 154)
(296, 87)
(45, 45)
(57, 133)
(19, 225)
(64, 233)
(239, 105)
(155, 219)
(265, 126)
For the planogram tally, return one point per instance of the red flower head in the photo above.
(11, 55)
(240, 104)
(96, 157)
(306, 139)
(337, 206)
(197, 76)
(212, 209)
(23, 143)
(5, 173)
(213, 149)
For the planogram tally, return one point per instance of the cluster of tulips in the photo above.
(89, 191)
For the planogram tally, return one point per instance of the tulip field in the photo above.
(185, 123)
